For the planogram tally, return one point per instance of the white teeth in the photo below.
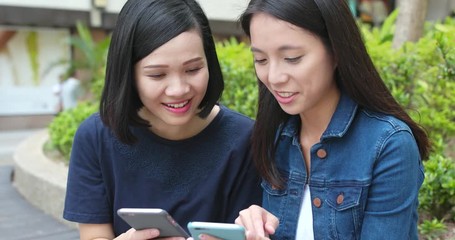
(179, 105)
(285, 94)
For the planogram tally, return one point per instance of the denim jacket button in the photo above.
(340, 199)
(321, 153)
(317, 202)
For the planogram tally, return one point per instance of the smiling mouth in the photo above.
(177, 105)
(285, 94)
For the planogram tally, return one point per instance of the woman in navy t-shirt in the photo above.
(160, 139)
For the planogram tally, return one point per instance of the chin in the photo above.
(290, 110)
(181, 121)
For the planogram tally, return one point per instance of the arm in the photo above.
(96, 231)
(392, 199)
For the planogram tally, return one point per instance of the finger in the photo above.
(207, 237)
(174, 238)
(146, 234)
(251, 218)
(133, 234)
(244, 220)
(259, 218)
(268, 222)
(271, 223)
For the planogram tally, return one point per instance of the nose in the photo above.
(177, 87)
(276, 74)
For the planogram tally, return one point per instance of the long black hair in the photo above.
(142, 27)
(333, 23)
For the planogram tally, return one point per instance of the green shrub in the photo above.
(64, 126)
(93, 57)
(437, 195)
(236, 63)
(432, 230)
(421, 77)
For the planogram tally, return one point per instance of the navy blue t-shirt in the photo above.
(208, 177)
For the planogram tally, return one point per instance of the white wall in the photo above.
(215, 9)
(83, 5)
(228, 10)
(225, 10)
(20, 92)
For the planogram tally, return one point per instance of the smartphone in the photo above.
(226, 231)
(142, 218)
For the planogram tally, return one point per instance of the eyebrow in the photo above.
(282, 48)
(196, 59)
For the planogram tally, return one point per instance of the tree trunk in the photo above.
(410, 21)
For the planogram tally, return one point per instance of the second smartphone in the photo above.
(227, 231)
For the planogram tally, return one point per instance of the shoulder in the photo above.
(230, 126)
(385, 121)
(91, 127)
(386, 129)
(90, 123)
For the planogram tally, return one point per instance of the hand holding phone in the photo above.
(143, 218)
(226, 231)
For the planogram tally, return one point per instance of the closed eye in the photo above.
(156, 76)
(194, 70)
(293, 60)
(260, 61)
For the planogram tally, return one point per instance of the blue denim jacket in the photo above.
(364, 179)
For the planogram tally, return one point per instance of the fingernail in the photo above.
(202, 236)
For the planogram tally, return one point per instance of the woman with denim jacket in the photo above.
(160, 138)
(339, 157)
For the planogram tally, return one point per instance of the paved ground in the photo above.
(19, 220)
(8, 142)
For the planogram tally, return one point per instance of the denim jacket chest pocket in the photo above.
(343, 211)
(284, 204)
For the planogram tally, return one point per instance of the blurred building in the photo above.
(374, 11)
(34, 34)
(33, 38)
(439, 9)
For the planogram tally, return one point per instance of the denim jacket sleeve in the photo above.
(392, 203)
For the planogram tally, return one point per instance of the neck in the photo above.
(315, 121)
(180, 132)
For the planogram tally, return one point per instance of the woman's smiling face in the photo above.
(172, 80)
(293, 64)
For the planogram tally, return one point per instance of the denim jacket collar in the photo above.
(338, 126)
